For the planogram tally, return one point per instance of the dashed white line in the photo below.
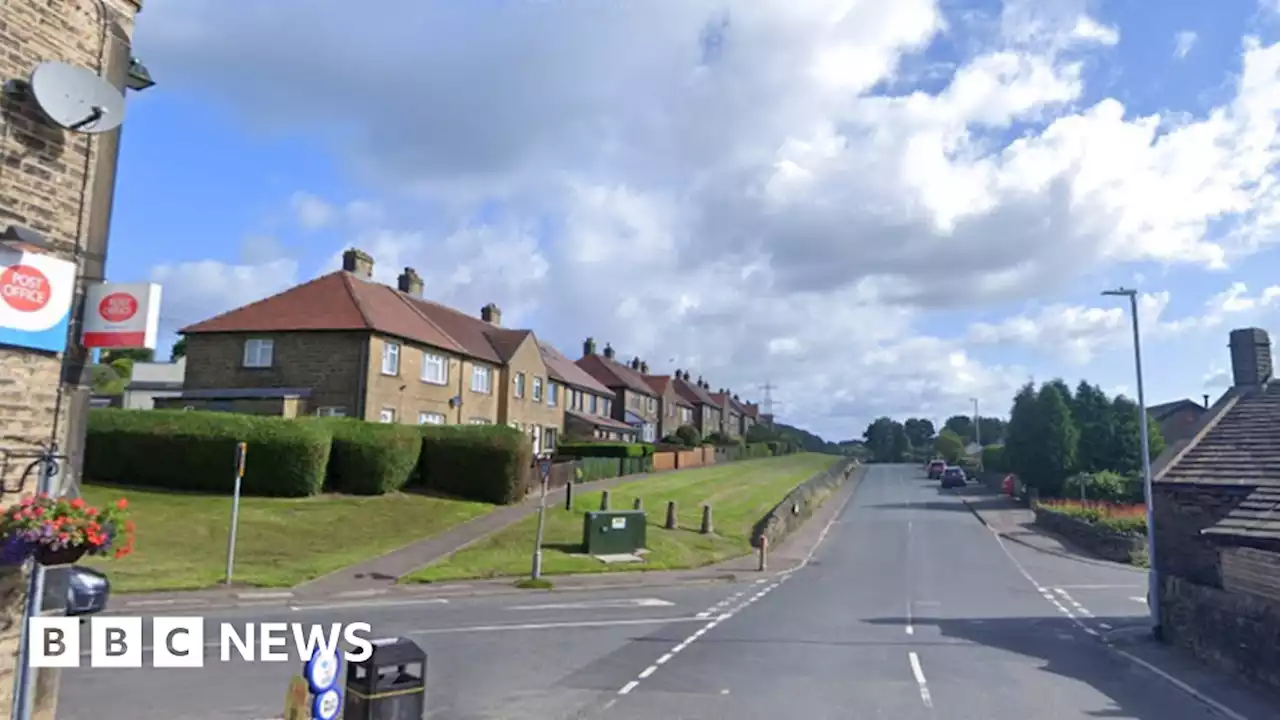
(918, 672)
(628, 687)
(648, 671)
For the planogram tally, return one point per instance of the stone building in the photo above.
(1217, 519)
(58, 185)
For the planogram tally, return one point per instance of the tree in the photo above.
(1093, 418)
(1020, 441)
(949, 446)
(1125, 454)
(759, 433)
(887, 440)
(179, 350)
(961, 425)
(992, 430)
(919, 432)
(1056, 438)
(134, 355)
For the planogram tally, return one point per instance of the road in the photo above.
(909, 609)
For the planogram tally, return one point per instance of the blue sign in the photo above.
(327, 705)
(36, 291)
(322, 671)
(544, 466)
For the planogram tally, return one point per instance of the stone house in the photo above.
(731, 413)
(57, 185)
(1178, 418)
(637, 403)
(344, 345)
(152, 381)
(746, 415)
(587, 404)
(706, 412)
(673, 409)
(1216, 497)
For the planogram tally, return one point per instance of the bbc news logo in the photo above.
(179, 642)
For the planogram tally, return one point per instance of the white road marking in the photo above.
(918, 672)
(1139, 599)
(628, 687)
(369, 604)
(549, 625)
(648, 671)
(592, 604)
(156, 603)
(264, 595)
(1098, 587)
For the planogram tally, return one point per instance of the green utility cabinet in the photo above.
(613, 532)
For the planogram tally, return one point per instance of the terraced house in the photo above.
(344, 345)
(673, 410)
(587, 404)
(706, 412)
(637, 403)
(731, 419)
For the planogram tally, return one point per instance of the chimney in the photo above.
(491, 314)
(358, 263)
(1250, 356)
(1206, 400)
(608, 351)
(686, 376)
(679, 376)
(410, 283)
(644, 368)
(589, 347)
(735, 397)
(635, 363)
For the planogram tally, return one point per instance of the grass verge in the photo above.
(740, 494)
(182, 537)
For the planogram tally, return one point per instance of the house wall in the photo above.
(1251, 571)
(732, 425)
(145, 399)
(286, 407)
(1232, 631)
(1181, 512)
(327, 363)
(1180, 425)
(708, 419)
(527, 411)
(408, 395)
(61, 185)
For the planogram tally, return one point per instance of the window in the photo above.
(478, 421)
(390, 359)
(331, 411)
(548, 439)
(387, 415)
(608, 408)
(686, 416)
(652, 404)
(671, 410)
(430, 418)
(435, 369)
(553, 394)
(537, 389)
(258, 353)
(519, 381)
(594, 406)
(481, 379)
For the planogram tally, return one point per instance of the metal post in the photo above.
(1153, 577)
(235, 511)
(537, 547)
(977, 432)
(24, 699)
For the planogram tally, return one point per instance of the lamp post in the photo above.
(1153, 579)
(977, 432)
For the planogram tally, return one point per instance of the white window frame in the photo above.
(438, 365)
(537, 389)
(553, 393)
(595, 405)
(518, 382)
(652, 404)
(387, 415)
(430, 418)
(254, 351)
(331, 411)
(549, 438)
(481, 379)
(390, 359)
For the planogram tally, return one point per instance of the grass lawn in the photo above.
(740, 493)
(182, 537)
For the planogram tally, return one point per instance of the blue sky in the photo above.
(586, 169)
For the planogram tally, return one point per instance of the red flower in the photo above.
(122, 503)
(77, 503)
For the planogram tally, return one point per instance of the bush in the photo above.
(598, 468)
(370, 458)
(993, 459)
(604, 449)
(478, 462)
(689, 435)
(758, 450)
(1119, 517)
(1106, 486)
(180, 450)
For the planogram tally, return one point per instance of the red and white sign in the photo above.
(121, 315)
(35, 300)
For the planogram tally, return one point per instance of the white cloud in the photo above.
(312, 213)
(718, 182)
(195, 291)
(1183, 42)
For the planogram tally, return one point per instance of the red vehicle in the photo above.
(935, 469)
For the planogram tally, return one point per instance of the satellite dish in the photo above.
(77, 98)
(455, 401)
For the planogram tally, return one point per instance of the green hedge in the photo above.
(758, 450)
(370, 458)
(993, 459)
(598, 468)
(182, 450)
(605, 449)
(479, 462)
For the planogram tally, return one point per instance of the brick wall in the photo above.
(1181, 512)
(1235, 632)
(59, 184)
(528, 410)
(1250, 571)
(408, 395)
(664, 461)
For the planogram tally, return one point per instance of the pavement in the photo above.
(895, 601)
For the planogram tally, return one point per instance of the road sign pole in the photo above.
(544, 470)
(241, 449)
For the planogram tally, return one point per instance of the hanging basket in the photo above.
(62, 556)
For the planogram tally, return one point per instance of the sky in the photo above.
(877, 207)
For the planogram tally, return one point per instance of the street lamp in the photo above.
(977, 432)
(138, 78)
(1153, 581)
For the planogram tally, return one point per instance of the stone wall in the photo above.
(804, 500)
(1181, 512)
(1253, 572)
(1104, 543)
(1234, 632)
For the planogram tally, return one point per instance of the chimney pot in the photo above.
(358, 263)
(1250, 356)
(589, 347)
(410, 282)
(635, 363)
(1206, 400)
(644, 368)
(491, 314)
(608, 351)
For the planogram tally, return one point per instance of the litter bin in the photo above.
(390, 685)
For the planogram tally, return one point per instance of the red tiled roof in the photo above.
(694, 394)
(342, 301)
(726, 401)
(562, 370)
(614, 374)
(661, 383)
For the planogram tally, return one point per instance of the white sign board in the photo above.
(35, 300)
(120, 315)
(618, 523)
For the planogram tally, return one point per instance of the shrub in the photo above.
(604, 449)
(598, 468)
(1124, 518)
(689, 435)
(370, 458)
(758, 450)
(479, 462)
(1106, 486)
(180, 450)
(993, 459)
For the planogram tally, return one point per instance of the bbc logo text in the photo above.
(179, 642)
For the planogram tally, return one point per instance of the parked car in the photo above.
(935, 469)
(953, 477)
